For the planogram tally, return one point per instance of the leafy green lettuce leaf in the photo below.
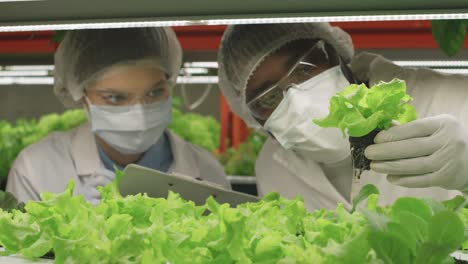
(8, 202)
(449, 35)
(357, 110)
(141, 229)
(413, 232)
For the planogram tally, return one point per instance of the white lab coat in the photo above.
(51, 163)
(292, 173)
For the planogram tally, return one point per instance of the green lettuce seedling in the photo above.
(358, 110)
(361, 113)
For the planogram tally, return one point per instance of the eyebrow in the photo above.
(113, 90)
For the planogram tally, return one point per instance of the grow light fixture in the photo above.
(151, 22)
(197, 80)
(194, 71)
(433, 64)
(453, 71)
(26, 80)
(11, 80)
(24, 73)
(28, 68)
(201, 64)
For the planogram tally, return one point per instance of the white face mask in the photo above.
(131, 129)
(291, 122)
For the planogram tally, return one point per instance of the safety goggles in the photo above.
(312, 63)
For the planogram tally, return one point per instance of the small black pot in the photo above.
(358, 145)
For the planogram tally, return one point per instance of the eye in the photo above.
(157, 93)
(304, 70)
(115, 98)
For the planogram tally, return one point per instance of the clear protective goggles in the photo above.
(314, 61)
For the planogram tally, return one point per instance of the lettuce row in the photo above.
(140, 229)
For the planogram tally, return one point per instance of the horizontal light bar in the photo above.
(24, 73)
(201, 64)
(453, 71)
(352, 18)
(442, 64)
(28, 67)
(192, 67)
(194, 71)
(191, 22)
(26, 80)
(197, 79)
(50, 80)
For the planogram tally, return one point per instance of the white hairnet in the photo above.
(244, 47)
(84, 55)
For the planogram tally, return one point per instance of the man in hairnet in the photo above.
(123, 79)
(279, 77)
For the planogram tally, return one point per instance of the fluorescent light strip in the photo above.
(24, 73)
(26, 80)
(195, 64)
(197, 80)
(28, 67)
(163, 23)
(101, 25)
(50, 80)
(201, 64)
(454, 64)
(453, 71)
(194, 71)
(351, 18)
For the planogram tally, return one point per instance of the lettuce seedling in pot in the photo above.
(361, 112)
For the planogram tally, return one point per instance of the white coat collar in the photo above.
(183, 161)
(84, 151)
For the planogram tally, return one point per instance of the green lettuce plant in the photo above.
(141, 229)
(358, 110)
(362, 112)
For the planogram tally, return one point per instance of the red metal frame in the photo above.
(27, 42)
(225, 116)
(365, 35)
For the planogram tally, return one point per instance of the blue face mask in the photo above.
(131, 129)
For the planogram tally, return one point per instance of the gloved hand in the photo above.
(99, 178)
(427, 152)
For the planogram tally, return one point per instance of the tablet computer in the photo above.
(138, 179)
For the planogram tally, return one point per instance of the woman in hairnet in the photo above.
(123, 79)
(280, 77)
